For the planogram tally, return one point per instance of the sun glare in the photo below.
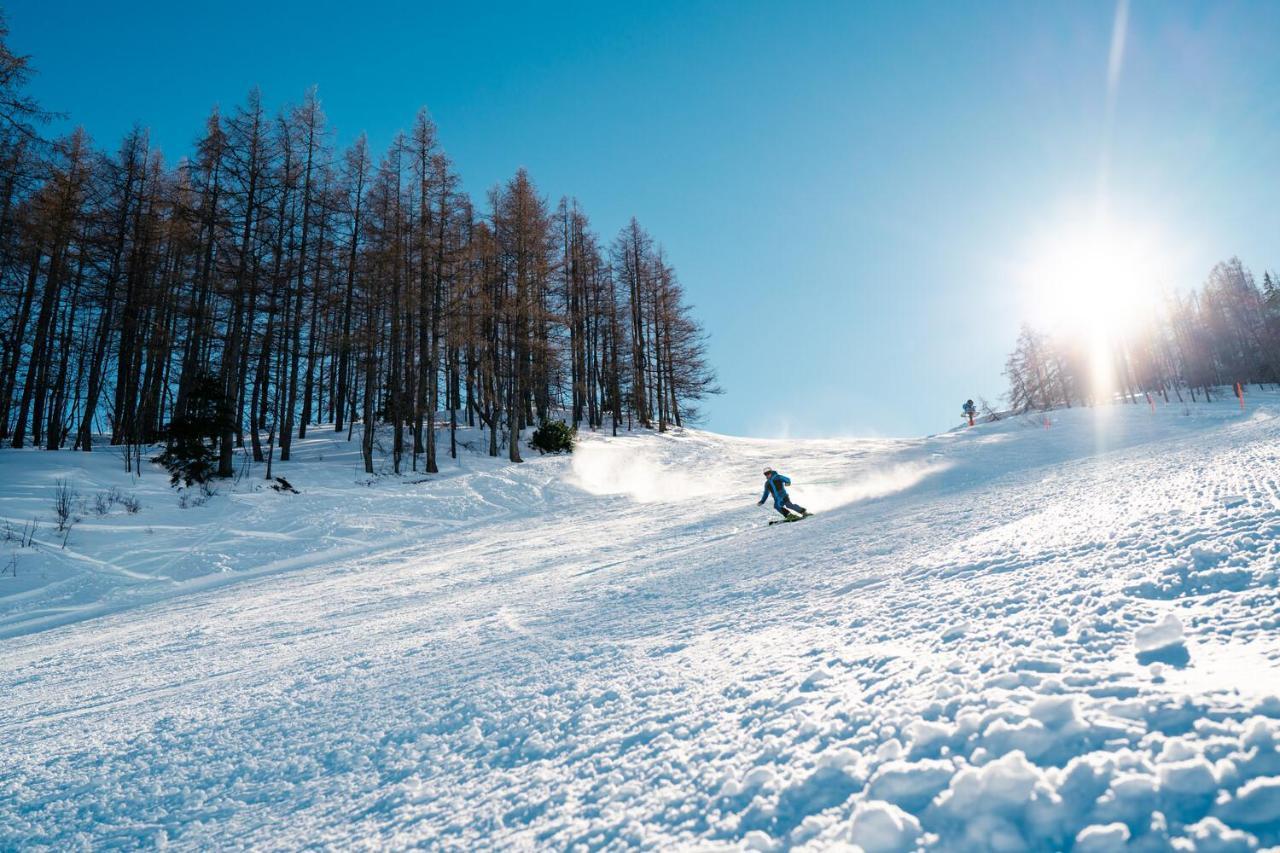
(1093, 283)
(1094, 279)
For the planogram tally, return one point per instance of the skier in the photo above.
(775, 484)
(970, 410)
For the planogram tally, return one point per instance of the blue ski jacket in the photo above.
(776, 485)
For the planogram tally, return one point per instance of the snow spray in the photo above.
(642, 474)
(876, 483)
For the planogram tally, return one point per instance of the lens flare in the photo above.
(1092, 284)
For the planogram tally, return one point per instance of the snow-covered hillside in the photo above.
(1004, 637)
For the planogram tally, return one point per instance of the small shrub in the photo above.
(188, 497)
(188, 460)
(26, 537)
(64, 499)
(553, 437)
(104, 501)
(188, 455)
(21, 537)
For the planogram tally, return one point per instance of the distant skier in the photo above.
(970, 411)
(775, 485)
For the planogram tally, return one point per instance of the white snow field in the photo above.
(1007, 637)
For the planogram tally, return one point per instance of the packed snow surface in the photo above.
(1004, 637)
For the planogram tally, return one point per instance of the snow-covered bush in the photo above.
(553, 437)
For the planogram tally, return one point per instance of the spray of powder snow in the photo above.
(611, 469)
(876, 483)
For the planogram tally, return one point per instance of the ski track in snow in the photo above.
(997, 638)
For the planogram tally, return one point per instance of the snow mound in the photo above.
(880, 827)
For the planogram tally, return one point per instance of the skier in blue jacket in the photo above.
(775, 485)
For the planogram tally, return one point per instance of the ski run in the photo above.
(1024, 635)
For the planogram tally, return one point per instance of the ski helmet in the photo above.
(768, 470)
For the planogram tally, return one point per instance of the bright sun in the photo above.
(1093, 283)
(1095, 280)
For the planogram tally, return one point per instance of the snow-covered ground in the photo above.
(1004, 637)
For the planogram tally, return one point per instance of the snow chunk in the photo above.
(759, 777)
(889, 750)
(1098, 838)
(757, 840)
(1257, 803)
(1130, 798)
(910, 783)
(816, 680)
(1036, 664)
(1260, 733)
(1192, 777)
(1213, 836)
(842, 758)
(764, 776)
(1177, 749)
(881, 827)
(1028, 737)
(1056, 712)
(1001, 786)
(926, 736)
(1165, 634)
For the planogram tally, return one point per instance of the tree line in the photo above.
(270, 282)
(1226, 332)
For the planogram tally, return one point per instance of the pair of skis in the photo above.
(789, 519)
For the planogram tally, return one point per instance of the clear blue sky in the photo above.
(848, 190)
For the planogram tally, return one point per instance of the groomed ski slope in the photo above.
(1004, 637)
